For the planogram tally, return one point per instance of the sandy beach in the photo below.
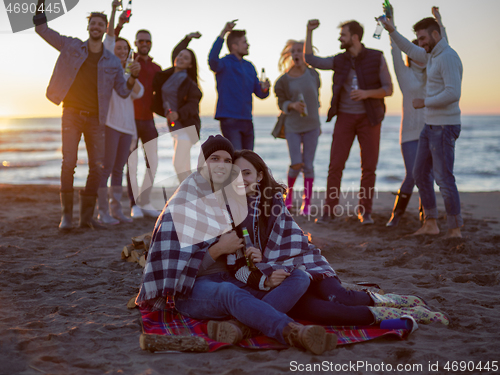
(64, 295)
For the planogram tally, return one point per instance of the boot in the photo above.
(420, 313)
(312, 338)
(115, 205)
(400, 205)
(289, 194)
(228, 331)
(87, 205)
(396, 300)
(306, 197)
(103, 208)
(67, 210)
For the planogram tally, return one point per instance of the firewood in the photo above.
(142, 260)
(155, 343)
(131, 303)
(138, 241)
(147, 241)
(126, 251)
(135, 255)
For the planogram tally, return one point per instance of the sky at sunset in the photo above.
(473, 31)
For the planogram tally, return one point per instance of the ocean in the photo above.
(30, 153)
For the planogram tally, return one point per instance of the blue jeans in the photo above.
(436, 156)
(239, 132)
(146, 131)
(327, 302)
(409, 151)
(220, 296)
(304, 154)
(74, 124)
(117, 149)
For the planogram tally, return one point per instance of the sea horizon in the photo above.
(30, 153)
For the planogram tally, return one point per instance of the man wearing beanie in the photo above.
(187, 261)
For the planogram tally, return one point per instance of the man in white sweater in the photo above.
(436, 149)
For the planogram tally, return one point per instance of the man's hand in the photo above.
(297, 106)
(312, 25)
(195, 35)
(358, 95)
(115, 4)
(135, 68)
(265, 85)
(276, 278)
(254, 254)
(229, 26)
(437, 15)
(418, 103)
(123, 19)
(387, 23)
(172, 117)
(228, 243)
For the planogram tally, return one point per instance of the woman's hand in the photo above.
(297, 106)
(276, 278)
(172, 117)
(312, 24)
(135, 68)
(254, 254)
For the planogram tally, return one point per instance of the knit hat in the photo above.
(215, 143)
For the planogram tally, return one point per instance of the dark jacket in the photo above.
(367, 66)
(188, 96)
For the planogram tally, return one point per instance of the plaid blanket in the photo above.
(190, 223)
(288, 247)
(170, 322)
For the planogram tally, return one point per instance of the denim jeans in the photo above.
(146, 131)
(304, 154)
(239, 132)
(347, 127)
(436, 156)
(220, 296)
(327, 302)
(409, 151)
(117, 149)
(74, 124)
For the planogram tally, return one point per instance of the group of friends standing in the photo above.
(197, 257)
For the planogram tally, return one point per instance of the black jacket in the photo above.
(188, 95)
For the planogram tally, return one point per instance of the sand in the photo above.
(64, 295)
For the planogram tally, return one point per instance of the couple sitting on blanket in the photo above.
(198, 258)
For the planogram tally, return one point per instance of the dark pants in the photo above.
(347, 127)
(146, 131)
(239, 132)
(327, 302)
(117, 149)
(74, 124)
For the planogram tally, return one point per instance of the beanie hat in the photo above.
(215, 143)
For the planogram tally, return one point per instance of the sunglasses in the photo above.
(142, 41)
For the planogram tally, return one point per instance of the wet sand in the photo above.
(64, 295)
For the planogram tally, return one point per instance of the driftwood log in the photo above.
(155, 343)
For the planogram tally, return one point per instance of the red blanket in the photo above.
(170, 322)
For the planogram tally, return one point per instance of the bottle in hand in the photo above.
(301, 99)
(248, 243)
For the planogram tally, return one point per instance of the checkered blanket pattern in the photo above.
(170, 322)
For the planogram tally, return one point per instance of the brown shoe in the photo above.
(228, 331)
(312, 338)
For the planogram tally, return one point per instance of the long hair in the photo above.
(192, 72)
(268, 186)
(285, 62)
(408, 59)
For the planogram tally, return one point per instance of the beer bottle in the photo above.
(248, 243)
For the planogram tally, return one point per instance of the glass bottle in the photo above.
(301, 99)
(354, 84)
(248, 243)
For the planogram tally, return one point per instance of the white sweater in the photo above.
(444, 80)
